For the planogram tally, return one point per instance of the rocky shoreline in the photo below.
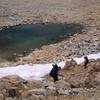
(75, 46)
(86, 13)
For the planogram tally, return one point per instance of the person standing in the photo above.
(86, 61)
(54, 72)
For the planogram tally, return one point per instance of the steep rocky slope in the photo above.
(75, 83)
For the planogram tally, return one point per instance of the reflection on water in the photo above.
(23, 37)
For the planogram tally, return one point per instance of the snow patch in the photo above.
(37, 71)
(91, 56)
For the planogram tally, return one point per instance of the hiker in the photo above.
(24, 53)
(54, 72)
(86, 61)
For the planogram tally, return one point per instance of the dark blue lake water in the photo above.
(23, 37)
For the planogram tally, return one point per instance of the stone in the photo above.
(48, 85)
(64, 92)
(1, 97)
(93, 98)
(34, 94)
(4, 91)
(12, 86)
(9, 98)
(12, 92)
(69, 64)
(34, 98)
(61, 84)
(37, 91)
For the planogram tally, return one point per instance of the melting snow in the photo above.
(37, 71)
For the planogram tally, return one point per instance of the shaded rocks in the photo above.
(13, 92)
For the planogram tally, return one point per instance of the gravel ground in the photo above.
(14, 12)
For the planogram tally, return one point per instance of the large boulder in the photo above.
(12, 86)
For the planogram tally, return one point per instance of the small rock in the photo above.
(93, 98)
(12, 93)
(34, 94)
(62, 85)
(9, 98)
(48, 85)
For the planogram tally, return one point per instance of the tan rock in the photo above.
(69, 64)
(1, 97)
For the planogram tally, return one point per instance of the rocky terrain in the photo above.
(86, 13)
(27, 11)
(76, 46)
(75, 83)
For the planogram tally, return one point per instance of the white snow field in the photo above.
(37, 71)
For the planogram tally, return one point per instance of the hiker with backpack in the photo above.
(54, 72)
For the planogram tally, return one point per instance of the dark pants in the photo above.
(55, 78)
